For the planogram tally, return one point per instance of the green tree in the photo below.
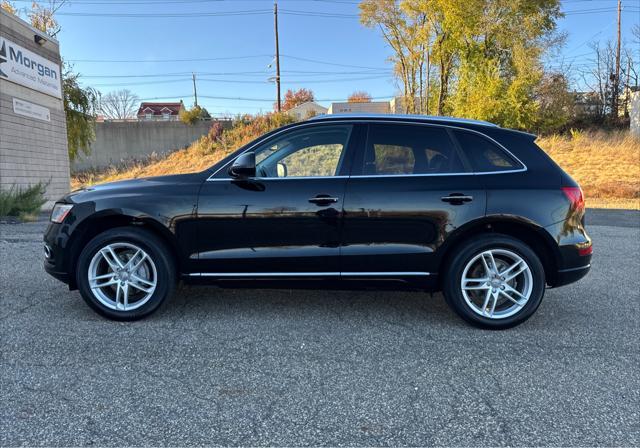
(405, 28)
(556, 103)
(191, 116)
(472, 58)
(80, 109)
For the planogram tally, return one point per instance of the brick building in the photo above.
(33, 133)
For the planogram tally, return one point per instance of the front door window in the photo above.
(314, 152)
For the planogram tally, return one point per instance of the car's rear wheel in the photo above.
(494, 282)
(125, 273)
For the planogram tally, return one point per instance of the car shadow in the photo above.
(199, 302)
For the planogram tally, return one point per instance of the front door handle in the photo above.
(323, 199)
(457, 198)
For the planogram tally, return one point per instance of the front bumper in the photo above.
(55, 263)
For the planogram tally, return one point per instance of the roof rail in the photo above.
(426, 118)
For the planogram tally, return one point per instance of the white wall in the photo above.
(634, 113)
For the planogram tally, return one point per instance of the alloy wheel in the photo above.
(122, 276)
(496, 283)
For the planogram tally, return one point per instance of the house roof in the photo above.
(160, 108)
(308, 103)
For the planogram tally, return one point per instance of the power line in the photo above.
(155, 2)
(336, 64)
(266, 100)
(138, 61)
(236, 81)
(246, 73)
(297, 58)
(168, 15)
(249, 12)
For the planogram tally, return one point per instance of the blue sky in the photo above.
(326, 49)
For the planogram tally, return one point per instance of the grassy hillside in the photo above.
(607, 165)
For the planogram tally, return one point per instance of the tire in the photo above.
(476, 303)
(143, 265)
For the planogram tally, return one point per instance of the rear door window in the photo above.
(484, 155)
(398, 149)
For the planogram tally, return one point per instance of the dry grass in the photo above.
(606, 165)
(188, 160)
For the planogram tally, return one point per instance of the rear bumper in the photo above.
(566, 276)
(573, 254)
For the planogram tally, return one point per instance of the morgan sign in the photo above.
(24, 67)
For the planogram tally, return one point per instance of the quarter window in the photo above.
(484, 155)
(313, 152)
(406, 149)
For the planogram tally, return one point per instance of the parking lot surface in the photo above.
(265, 367)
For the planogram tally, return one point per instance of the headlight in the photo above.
(59, 212)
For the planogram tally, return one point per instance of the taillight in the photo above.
(575, 196)
(584, 251)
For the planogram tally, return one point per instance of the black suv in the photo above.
(355, 201)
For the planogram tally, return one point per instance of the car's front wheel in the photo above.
(494, 282)
(125, 273)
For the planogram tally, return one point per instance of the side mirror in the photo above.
(244, 166)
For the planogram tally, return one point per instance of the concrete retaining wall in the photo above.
(118, 142)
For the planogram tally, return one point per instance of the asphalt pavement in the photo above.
(291, 367)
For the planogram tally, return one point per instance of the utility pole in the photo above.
(275, 17)
(195, 91)
(616, 81)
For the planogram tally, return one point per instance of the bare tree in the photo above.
(598, 78)
(42, 17)
(359, 96)
(119, 105)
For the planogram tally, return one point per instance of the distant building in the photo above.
(307, 110)
(159, 111)
(398, 105)
(587, 103)
(373, 107)
(634, 111)
(394, 106)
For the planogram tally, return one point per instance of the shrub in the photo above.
(24, 203)
(192, 115)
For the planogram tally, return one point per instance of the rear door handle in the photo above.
(323, 199)
(457, 198)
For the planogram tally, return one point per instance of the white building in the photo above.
(394, 106)
(634, 112)
(307, 110)
(373, 107)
